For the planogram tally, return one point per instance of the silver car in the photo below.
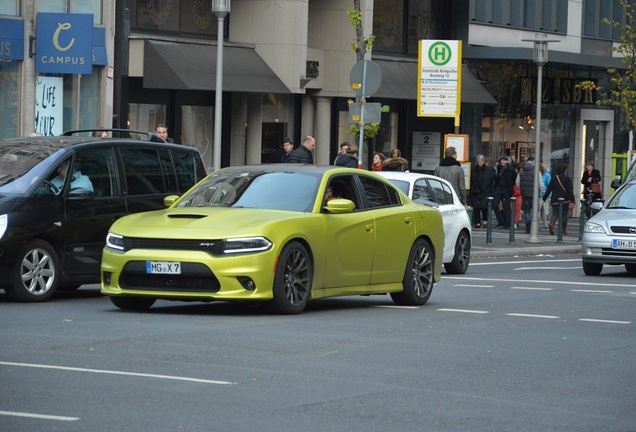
(609, 237)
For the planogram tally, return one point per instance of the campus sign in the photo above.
(64, 43)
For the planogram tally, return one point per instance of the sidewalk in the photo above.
(502, 248)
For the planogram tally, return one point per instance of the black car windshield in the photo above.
(277, 190)
(20, 166)
(624, 198)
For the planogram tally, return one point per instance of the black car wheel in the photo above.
(133, 303)
(592, 269)
(293, 279)
(461, 260)
(630, 268)
(419, 276)
(36, 273)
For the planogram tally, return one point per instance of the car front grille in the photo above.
(194, 277)
(618, 253)
(213, 247)
(619, 229)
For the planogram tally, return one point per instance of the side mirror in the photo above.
(170, 199)
(340, 205)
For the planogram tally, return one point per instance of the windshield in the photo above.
(20, 166)
(255, 189)
(625, 197)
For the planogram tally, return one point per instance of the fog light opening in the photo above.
(247, 283)
(107, 277)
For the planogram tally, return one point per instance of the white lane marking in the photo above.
(547, 268)
(604, 321)
(532, 288)
(591, 291)
(38, 416)
(532, 316)
(539, 282)
(464, 311)
(111, 372)
(474, 285)
(524, 262)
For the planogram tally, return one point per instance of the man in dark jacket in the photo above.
(348, 159)
(526, 185)
(303, 153)
(504, 183)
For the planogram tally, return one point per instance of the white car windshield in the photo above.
(624, 198)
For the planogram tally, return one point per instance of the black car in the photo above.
(59, 196)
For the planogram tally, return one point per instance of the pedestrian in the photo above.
(482, 186)
(99, 133)
(504, 185)
(344, 146)
(378, 158)
(591, 181)
(560, 187)
(283, 154)
(349, 159)
(526, 187)
(303, 153)
(451, 170)
(162, 132)
(395, 162)
(544, 207)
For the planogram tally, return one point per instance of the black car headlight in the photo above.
(246, 245)
(114, 241)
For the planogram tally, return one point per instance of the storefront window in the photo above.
(145, 117)
(197, 130)
(10, 7)
(9, 98)
(89, 100)
(68, 6)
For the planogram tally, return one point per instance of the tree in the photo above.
(622, 95)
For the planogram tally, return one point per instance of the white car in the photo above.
(437, 192)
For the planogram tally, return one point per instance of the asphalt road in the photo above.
(529, 344)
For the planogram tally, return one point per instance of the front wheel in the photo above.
(419, 276)
(293, 279)
(133, 303)
(36, 273)
(592, 269)
(461, 260)
(630, 268)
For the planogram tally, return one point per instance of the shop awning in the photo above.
(399, 81)
(184, 66)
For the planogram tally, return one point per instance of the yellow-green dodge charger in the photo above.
(281, 234)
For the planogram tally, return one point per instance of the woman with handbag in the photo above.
(591, 181)
(560, 187)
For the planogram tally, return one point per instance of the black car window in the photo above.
(189, 169)
(144, 175)
(100, 167)
(379, 194)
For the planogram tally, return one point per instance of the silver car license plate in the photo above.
(623, 244)
(163, 267)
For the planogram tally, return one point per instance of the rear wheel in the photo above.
(592, 269)
(133, 303)
(461, 260)
(630, 268)
(293, 279)
(419, 276)
(36, 273)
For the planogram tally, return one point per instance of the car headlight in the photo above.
(114, 241)
(593, 228)
(4, 222)
(246, 245)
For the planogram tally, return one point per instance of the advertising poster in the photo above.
(49, 105)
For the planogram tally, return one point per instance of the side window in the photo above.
(143, 171)
(442, 192)
(168, 170)
(96, 170)
(189, 169)
(342, 186)
(378, 194)
(421, 191)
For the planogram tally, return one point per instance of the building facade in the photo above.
(287, 66)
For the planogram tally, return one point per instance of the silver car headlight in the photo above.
(246, 245)
(115, 241)
(4, 222)
(593, 228)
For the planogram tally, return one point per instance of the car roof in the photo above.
(293, 167)
(55, 143)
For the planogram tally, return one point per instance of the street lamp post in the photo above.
(540, 58)
(220, 8)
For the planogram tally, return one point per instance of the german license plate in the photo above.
(163, 267)
(623, 244)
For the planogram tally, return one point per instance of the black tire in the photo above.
(592, 269)
(133, 303)
(419, 276)
(461, 260)
(630, 268)
(293, 280)
(36, 273)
